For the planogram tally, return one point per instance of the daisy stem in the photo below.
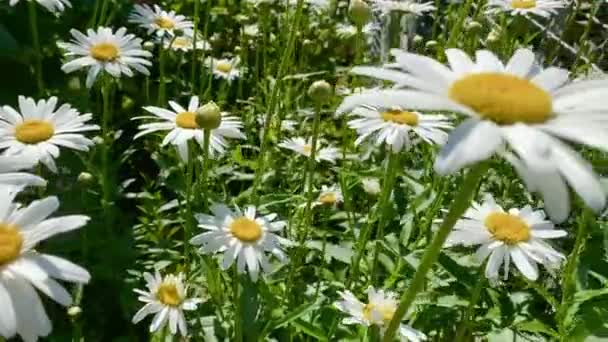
(161, 66)
(189, 190)
(194, 63)
(309, 175)
(36, 42)
(359, 45)
(107, 185)
(205, 170)
(238, 328)
(459, 205)
(384, 205)
(475, 295)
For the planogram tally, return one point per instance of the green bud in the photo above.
(208, 116)
(360, 12)
(320, 91)
(85, 178)
(473, 26)
(431, 44)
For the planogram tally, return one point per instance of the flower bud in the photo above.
(208, 116)
(148, 46)
(417, 39)
(472, 26)
(493, 36)
(431, 44)
(74, 311)
(371, 186)
(85, 178)
(320, 91)
(360, 12)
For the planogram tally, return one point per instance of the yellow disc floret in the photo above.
(105, 52)
(34, 131)
(507, 228)
(246, 229)
(11, 242)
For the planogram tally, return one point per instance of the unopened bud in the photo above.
(473, 26)
(493, 36)
(148, 46)
(85, 178)
(417, 39)
(208, 116)
(320, 91)
(431, 44)
(371, 186)
(360, 12)
(74, 311)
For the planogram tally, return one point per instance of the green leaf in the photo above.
(310, 329)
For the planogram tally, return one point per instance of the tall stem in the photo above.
(189, 228)
(161, 65)
(310, 172)
(238, 327)
(205, 171)
(107, 186)
(194, 63)
(36, 42)
(459, 205)
(475, 295)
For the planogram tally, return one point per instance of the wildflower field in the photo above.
(304, 170)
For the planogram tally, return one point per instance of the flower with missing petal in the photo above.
(517, 235)
(158, 21)
(304, 147)
(227, 69)
(543, 8)
(516, 105)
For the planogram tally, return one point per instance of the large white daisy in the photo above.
(242, 236)
(182, 126)
(38, 130)
(379, 310)
(51, 5)
(102, 50)
(10, 175)
(516, 235)
(165, 298)
(393, 126)
(23, 269)
(518, 105)
(304, 147)
(156, 20)
(544, 8)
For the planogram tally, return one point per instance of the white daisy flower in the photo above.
(516, 235)
(116, 53)
(242, 236)
(156, 20)
(379, 310)
(37, 130)
(24, 269)
(371, 186)
(9, 175)
(304, 147)
(519, 105)
(406, 6)
(165, 298)
(330, 196)
(251, 30)
(227, 69)
(182, 126)
(394, 126)
(54, 6)
(543, 8)
(185, 42)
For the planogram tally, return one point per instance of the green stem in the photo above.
(384, 204)
(161, 65)
(107, 184)
(205, 170)
(238, 327)
(36, 42)
(359, 45)
(475, 295)
(309, 175)
(189, 227)
(459, 205)
(194, 63)
(102, 14)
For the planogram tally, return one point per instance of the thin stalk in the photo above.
(468, 314)
(283, 67)
(194, 63)
(310, 172)
(102, 14)
(238, 327)
(359, 45)
(107, 184)
(36, 42)
(161, 66)
(384, 204)
(460, 204)
(189, 227)
(205, 170)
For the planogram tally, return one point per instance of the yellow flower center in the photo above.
(328, 198)
(387, 312)
(307, 149)
(504, 99)
(186, 120)
(168, 294)
(400, 117)
(182, 42)
(507, 228)
(246, 229)
(34, 131)
(223, 66)
(523, 3)
(164, 23)
(10, 243)
(105, 52)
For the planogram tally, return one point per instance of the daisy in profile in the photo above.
(227, 69)
(406, 6)
(543, 8)
(242, 236)
(10, 175)
(23, 269)
(103, 50)
(379, 310)
(394, 126)
(304, 147)
(166, 299)
(158, 21)
(516, 105)
(330, 196)
(54, 6)
(517, 235)
(185, 43)
(37, 130)
(182, 126)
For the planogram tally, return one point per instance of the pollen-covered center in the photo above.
(400, 117)
(164, 23)
(523, 4)
(328, 198)
(10, 243)
(105, 52)
(509, 229)
(34, 131)
(504, 99)
(246, 229)
(378, 313)
(186, 120)
(223, 66)
(168, 294)
(182, 42)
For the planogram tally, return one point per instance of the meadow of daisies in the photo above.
(303, 170)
